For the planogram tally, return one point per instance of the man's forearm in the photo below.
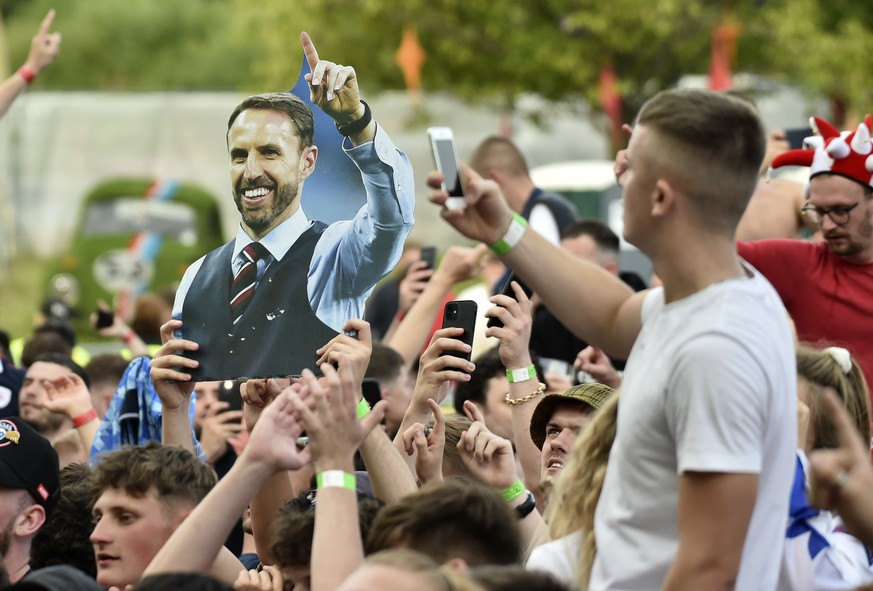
(566, 285)
(390, 476)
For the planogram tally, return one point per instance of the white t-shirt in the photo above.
(559, 558)
(709, 386)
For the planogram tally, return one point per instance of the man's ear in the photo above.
(307, 160)
(663, 198)
(29, 521)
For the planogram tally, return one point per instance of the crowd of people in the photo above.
(712, 432)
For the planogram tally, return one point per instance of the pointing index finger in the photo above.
(309, 51)
(47, 22)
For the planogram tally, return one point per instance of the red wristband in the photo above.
(28, 73)
(85, 418)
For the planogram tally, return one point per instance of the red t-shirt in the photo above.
(829, 299)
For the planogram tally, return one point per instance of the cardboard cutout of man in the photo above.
(262, 304)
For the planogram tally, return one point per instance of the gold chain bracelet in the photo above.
(528, 398)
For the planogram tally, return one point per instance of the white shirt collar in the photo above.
(280, 238)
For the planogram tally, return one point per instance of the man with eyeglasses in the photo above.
(827, 286)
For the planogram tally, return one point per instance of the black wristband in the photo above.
(356, 127)
(527, 507)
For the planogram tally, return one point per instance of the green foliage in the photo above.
(479, 50)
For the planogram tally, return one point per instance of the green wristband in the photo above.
(336, 479)
(521, 375)
(511, 238)
(513, 492)
(363, 408)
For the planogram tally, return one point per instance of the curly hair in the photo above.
(64, 537)
(578, 489)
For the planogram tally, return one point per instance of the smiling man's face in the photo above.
(267, 168)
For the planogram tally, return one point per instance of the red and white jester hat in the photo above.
(847, 154)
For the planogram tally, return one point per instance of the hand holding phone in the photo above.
(442, 142)
(105, 318)
(508, 291)
(461, 314)
(428, 255)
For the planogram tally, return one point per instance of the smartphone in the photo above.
(229, 391)
(461, 314)
(442, 142)
(105, 318)
(796, 135)
(372, 391)
(507, 290)
(428, 255)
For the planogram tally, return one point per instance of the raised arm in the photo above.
(514, 336)
(594, 304)
(334, 89)
(44, 48)
(410, 336)
(197, 542)
(389, 476)
(174, 386)
(334, 434)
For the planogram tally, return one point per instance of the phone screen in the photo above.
(795, 137)
(442, 142)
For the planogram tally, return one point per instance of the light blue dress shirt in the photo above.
(352, 255)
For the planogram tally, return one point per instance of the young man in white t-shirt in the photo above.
(698, 481)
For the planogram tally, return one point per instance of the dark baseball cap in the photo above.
(28, 461)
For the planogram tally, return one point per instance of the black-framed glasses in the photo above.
(838, 215)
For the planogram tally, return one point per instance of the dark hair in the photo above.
(181, 581)
(711, 146)
(64, 537)
(456, 518)
(284, 102)
(602, 234)
(488, 365)
(294, 527)
(108, 367)
(65, 361)
(174, 473)
(4, 343)
(59, 327)
(43, 343)
(385, 363)
(512, 577)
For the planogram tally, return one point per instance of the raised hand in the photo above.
(172, 384)
(514, 335)
(487, 456)
(331, 422)
(257, 395)
(461, 263)
(273, 442)
(333, 87)
(435, 368)
(358, 349)
(595, 363)
(412, 284)
(67, 395)
(219, 426)
(45, 46)
(841, 479)
(486, 216)
(428, 446)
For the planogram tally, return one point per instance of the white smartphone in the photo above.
(442, 142)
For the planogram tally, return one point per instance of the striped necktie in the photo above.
(243, 286)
